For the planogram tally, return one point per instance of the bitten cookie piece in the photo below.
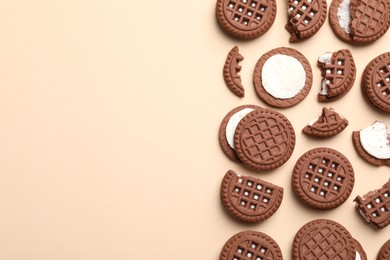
(372, 144)
(305, 18)
(251, 245)
(323, 178)
(330, 123)
(246, 19)
(249, 199)
(384, 252)
(359, 21)
(338, 73)
(282, 77)
(374, 207)
(231, 70)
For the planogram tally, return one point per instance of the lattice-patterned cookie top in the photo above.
(249, 199)
(246, 19)
(384, 252)
(323, 239)
(328, 124)
(264, 139)
(323, 178)
(251, 245)
(305, 18)
(375, 206)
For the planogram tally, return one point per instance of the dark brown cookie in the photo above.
(330, 123)
(360, 253)
(305, 18)
(359, 21)
(323, 239)
(357, 143)
(338, 73)
(249, 199)
(246, 19)
(231, 70)
(374, 207)
(248, 245)
(323, 178)
(264, 139)
(376, 82)
(282, 77)
(226, 147)
(384, 252)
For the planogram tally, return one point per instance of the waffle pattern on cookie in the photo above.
(328, 124)
(375, 206)
(382, 81)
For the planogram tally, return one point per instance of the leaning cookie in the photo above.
(372, 144)
(374, 207)
(282, 77)
(338, 73)
(384, 252)
(249, 199)
(330, 123)
(246, 19)
(231, 70)
(375, 82)
(305, 18)
(359, 21)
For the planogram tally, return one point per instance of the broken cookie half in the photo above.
(231, 72)
(330, 123)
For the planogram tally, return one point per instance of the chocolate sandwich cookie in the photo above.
(231, 70)
(384, 252)
(372, 144)
(374, 207)
(359, 21)
(323, 178)
(251, 245)
(249, 199)
(360, 253)
(246, 19)
(375, 82)
(282, 77)
(330, 123)
(338, 73)
(305, 18)
(323, 239)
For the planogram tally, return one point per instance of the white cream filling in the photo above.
(357, 256)
(233, 123)
(283, 76)
(326, 59)
(374, 140)
(312, 122)
(344, 16)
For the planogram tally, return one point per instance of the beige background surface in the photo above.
(109, 116)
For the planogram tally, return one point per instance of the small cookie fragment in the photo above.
(246, 19)
(372, 144)
(282, 77)
(323, 239)
(251, 245)
(249, 199)
(330, 123)
(323, 178)
(231, 70)
(359, 21)
(375, 82)
(305, 18)
(338, 73)
(374, 207)
(384, 252)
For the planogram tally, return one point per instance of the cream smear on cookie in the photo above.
(357, 256)
(326, 59)
(233, 123)
(343, 15)
(283, 76)
(374, 140)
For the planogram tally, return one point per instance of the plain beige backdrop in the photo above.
(109, 117)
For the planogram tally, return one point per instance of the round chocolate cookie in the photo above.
(264, 139)
(384, 252)
(246, 19)
(323, 178)
(251, 245)
(249, 199)
(359, 21)
(305, 18)
(323, 239)
(376, 82)
(282, 77)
